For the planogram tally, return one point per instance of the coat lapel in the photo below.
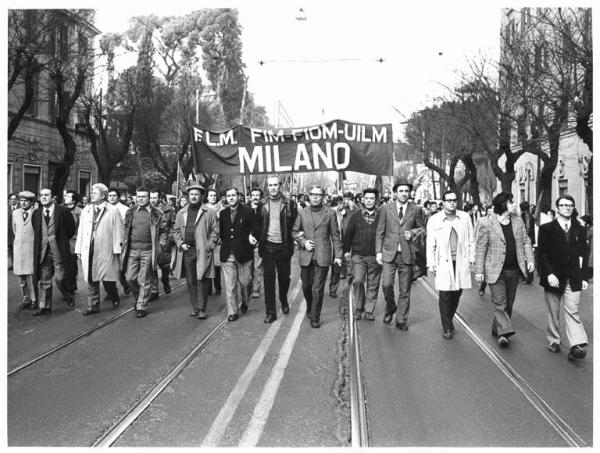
(406, 213)
(497, 228)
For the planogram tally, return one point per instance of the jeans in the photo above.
(237, 280)
(503, 298)
(139, 273)
(367, 271)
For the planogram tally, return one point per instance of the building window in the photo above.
(32, 178)
(563, 187)
(85, 178)
(9, 178)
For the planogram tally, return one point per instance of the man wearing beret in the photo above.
(23, 264)
(196, 233)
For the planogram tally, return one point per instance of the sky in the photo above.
(325, 67)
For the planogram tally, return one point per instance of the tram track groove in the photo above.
(358, 409)
(77, 337)
(110, 436)
(564, 430)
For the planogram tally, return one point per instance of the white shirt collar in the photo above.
(51, 209)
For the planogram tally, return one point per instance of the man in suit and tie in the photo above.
(399, 224)
(237, 251)
(316, 230)
(563, 261)
(23, 264)
(53, 228)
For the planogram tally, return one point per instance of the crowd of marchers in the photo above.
(246, 246)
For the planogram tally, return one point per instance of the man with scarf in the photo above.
(316, 230)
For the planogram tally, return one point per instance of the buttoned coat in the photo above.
(563, 255)
(390, 231)
(439, 253)
(105, 231)
(23, 263)
(64, 228)
(490, 251)
(206, 236)
(158, 232)
(322, 228)
(234, 235)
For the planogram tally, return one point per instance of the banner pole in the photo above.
(245, 194)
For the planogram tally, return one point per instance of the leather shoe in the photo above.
(447, 335)
(141, 313)
(202, 314)
(116, 302)
(244, 308)
(387, 319)
(502, 341)
(315, 324)
(126, 289)
(91, 311)
(285, 309)
(270, 318)
(195, 312)
(41, 311)
(167, 287)
(233, 317)
(554, 347)
(403, 326)
(577, 352)
(70, 299)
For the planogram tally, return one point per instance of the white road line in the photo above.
(563, 429)
(220, 424)
(267, 399)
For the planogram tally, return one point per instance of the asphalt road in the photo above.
(422, 390)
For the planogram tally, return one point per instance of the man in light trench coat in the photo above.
(23, 263)
(98, 247)
(450, 256)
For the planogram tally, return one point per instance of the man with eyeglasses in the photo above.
(399, 224)
(563, 260)
(316, 230)
(273, 227)
(450, 256)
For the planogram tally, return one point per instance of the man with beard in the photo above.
(316, 230)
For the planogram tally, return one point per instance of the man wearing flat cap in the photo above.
(400, 223)
(196, 233)
(23, 264)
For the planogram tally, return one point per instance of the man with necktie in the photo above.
(53, 227)
(23, 264)
(563, 261)
(400, 222)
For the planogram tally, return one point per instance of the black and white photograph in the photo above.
(365, 224)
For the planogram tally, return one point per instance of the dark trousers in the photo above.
(313, 285)
(503, 298)
(71, 270)
(274, 261)
(448, 302)
(165, 271)
(197, 289)
(405, 274)
(50, 267)
(94, 293)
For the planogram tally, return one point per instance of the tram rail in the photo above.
(75, 338)
(358, 407)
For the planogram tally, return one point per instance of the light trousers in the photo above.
(573, 325)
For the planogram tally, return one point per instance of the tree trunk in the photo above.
(474, 183)
(29, 92)
(62, 172)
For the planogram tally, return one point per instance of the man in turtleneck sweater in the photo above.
(359, 249)
(273, 228)
(316, 230)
